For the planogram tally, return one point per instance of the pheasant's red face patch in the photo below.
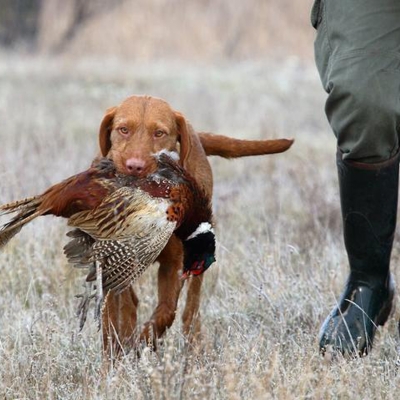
(197, 268)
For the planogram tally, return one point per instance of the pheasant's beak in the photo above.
(197, 268)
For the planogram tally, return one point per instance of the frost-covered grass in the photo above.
(280, 258)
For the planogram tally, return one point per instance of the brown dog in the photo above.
(131, 134)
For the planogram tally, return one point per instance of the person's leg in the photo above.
(357, 54)
(368, 195)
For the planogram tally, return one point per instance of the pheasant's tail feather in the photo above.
(11, 228)
(19, 205)
(6, 236)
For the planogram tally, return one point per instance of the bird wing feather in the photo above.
(124, 261)
(78, 247)
(125, 213)
(130, 228)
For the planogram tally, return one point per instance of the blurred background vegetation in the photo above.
(242, 68)
(238, 67)
(196, 30)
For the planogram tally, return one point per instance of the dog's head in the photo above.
(140, 127)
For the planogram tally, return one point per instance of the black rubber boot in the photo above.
(368, 195)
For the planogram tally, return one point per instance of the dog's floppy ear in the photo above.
(105, 131)
(184, 136)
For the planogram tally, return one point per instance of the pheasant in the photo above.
(121, 222)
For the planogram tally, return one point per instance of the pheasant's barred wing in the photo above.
(124, 261)
(130, 228)
(121, 278)
(125, 213)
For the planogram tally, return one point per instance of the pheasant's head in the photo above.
(199, 251)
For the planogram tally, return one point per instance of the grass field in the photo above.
(280, 265)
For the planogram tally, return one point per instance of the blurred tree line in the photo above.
(154, 29)
(20, 20)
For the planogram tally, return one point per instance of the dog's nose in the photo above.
(135, 166)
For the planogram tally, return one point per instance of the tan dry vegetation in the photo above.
(196, 30)
(280, 256)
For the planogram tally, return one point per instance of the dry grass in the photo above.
(196, 30)
(280, 256)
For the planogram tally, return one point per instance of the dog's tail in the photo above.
(227, 147)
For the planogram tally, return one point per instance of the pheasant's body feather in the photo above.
(128, 243)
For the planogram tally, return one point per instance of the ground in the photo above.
(281, 263)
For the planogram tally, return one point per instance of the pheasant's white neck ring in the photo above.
(202, 228)
(170, 153)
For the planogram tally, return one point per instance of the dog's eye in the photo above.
(159, 133)
(123, 130)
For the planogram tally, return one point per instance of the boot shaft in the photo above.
(369, 196)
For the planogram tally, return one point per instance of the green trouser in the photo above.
(357, 51)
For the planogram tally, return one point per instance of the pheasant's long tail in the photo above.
(26, 210)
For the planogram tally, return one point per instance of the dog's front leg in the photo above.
(169, 288)
(191, 314)
(119, 322)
